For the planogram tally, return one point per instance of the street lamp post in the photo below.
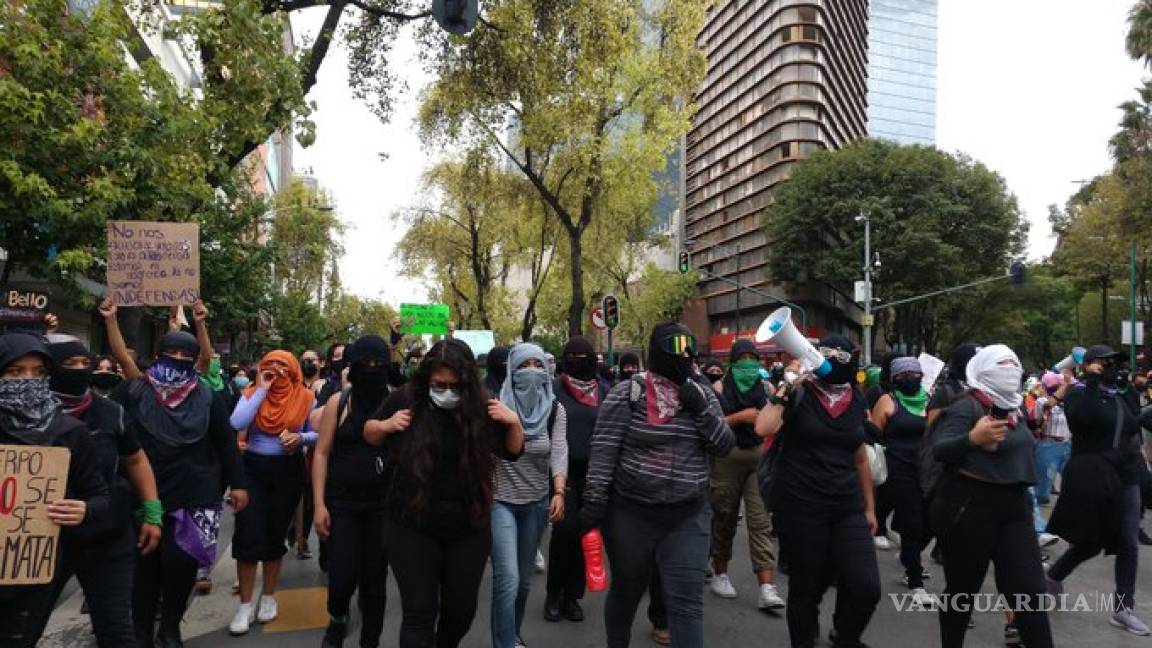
(867, 286)
(1132, 309)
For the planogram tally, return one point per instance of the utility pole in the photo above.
(866, 295)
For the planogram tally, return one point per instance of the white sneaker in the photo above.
(242, 622)
(921, 597)
(770, 598)
(881, 543)
(722, 586)
(1047, 539)
(268, 610)
(540, 564)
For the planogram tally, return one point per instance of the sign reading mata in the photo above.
(30, 478)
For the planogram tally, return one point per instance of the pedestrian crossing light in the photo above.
(684, 265)
(611, 308)
(1016, 274)
(456, 16)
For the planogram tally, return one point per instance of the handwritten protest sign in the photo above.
(153, 264)
(418, 319)
(30, 478)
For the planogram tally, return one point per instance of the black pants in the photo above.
(275, 485)
(657, 611)
(439, 580)
(565, 553)
(23, 611)
(1127, 552)
(902, 490)
(980, 523)
(164, 579)
(884, 508)
(358, 563)
(822, 548)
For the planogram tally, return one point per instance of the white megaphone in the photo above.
(780, 330)
(1071, 362)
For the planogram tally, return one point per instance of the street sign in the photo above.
(862, 293)
(1126, 333)
(598, 318)
(611, 310)
(868, 320)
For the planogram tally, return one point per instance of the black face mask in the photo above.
(309, 369)
(715, 375)
(105, 380)
(626, 374)
(336, 368)
(907, 386)
(1110, 375)
(580, 368)
(73, 382)
(369, 382)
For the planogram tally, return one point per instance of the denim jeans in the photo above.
(1038, 521)
(516, 532)
(1051, 456)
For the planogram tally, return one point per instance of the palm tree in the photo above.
(1139, 40)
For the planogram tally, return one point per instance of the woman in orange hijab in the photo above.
(272, 423)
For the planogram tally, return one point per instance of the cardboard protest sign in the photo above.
(419, 319)
(480, 342)
(30, 478)
(153, 264)
(23, 307)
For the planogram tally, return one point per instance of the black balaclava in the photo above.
(712, 366)
(958, 361)
(181, 341)
(369, 384)
(625, 360)
(497, 369)
(73, 382)
(678, 369)
(309, 369)
(841, 374)
(578, 368)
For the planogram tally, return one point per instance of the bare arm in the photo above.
(884, 410)
(864, 478)
(200, 322)
(320, 456)
(116, 341)
(749, 416)
(139, 472)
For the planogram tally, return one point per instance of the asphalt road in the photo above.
(727, 622)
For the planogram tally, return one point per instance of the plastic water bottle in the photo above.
(595, 576)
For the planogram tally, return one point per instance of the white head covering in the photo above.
(1001, 382)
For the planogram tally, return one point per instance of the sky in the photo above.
(1028, 87)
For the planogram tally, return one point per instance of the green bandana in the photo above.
(914, 404)
(873, 378)
(214, 378)
(746, 373)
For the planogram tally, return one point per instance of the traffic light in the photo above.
(611, 308)
(456, 16)
(685, 266)
(1016, 273)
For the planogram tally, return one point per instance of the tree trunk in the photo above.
(576, 306)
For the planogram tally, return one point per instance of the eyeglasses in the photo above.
(679, 344)
(839, 355)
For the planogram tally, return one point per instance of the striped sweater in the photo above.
(657, 465)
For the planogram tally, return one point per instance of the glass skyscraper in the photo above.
(902, 70)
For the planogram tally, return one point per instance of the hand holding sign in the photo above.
(67, 512)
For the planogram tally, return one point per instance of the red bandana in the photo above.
(586, 392)
(663, 398)
(834, 398)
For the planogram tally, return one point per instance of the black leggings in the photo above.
(275, 486)
(164, 578)
(902, 490)
(978, 523)
(438, 578)
(358, 562)
(821, 549)
(565, 553)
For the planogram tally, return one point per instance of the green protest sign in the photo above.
(420, 319)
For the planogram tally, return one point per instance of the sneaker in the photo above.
(921, 597)
(572, 611)
(1055, 587)
(1011, 635)
(722, 586)
(882, 543)
(1125, 618)
(1047, 539)
(540, 564)
(242, 622)
(552, 608)
(662, 636)
(520, 643)
(268, 610)
(770, 598)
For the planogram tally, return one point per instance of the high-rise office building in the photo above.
(902, 70)
(785, 77)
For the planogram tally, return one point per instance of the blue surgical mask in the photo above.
(445, 399)
(241, 381)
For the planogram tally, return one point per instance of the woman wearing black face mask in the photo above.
(900, 418)
(106, 375)
(629, 366)
(714, 372)
(333, 373)
(440, 434)
(185, 432)
(648, 481)
(31, 416)
(1099, 504)
(822, 499)
(497, 370)
(349, 488)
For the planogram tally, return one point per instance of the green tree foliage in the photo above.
(297, 324)
(305, 238)
(938, 220)
(349, 317)
(596, 92)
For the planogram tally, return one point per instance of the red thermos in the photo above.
(595, 576)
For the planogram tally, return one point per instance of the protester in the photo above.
(190, 444)
(333, 372)
(105, 375)
(530, 491)
(441, 432)
(272, 418)
(31, 416)
(900, 417)
(648, 485)
(497, 370)
(733, 479)
(629, 366)
(310, 371)
(884, 505)
(412, 361)
(981, 512)
(714, 373)
(1099, 504)
(580, 394)
(349, 487)
(822, 498)
(1054, 448)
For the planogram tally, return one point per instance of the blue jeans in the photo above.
(516, 532)
(1038, 521)
(1051, 457)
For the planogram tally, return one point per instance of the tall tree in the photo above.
(596, 95)
(305, 237)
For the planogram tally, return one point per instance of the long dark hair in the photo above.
(419, 447)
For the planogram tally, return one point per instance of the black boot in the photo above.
(334, 635)
(168, 636)
(552, 608)
(572, 611)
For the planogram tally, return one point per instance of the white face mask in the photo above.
(1001, 382)
(446, 399)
